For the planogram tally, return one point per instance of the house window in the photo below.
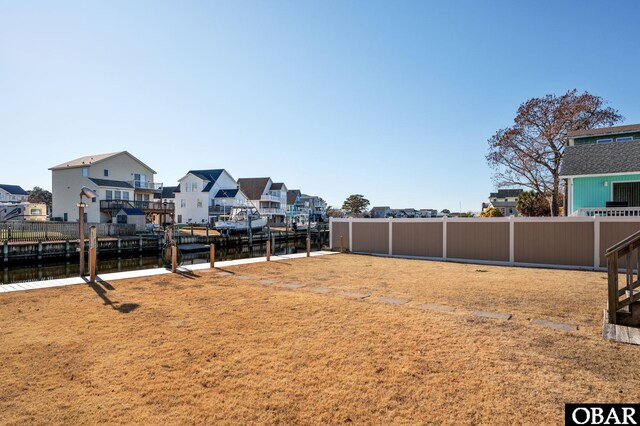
(85, 171)
(199, 203)
(606, 140)
(183, 203)
(36, 211)
(140, 180)
(106, 172)
(624, 139)
(122, 218)
(109, 194)
(65, 217)
(179, 218)
(93, 200)
(125, 195)
(117, 195)
(627, 191)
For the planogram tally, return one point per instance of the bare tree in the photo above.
(529, 153)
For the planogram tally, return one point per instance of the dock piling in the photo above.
(174, 258)
(268, 250)
(212, 255)
(93, 253)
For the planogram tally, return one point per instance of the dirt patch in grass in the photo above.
(217, 349)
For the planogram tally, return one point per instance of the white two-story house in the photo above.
(120, 181)
(270, 198)
(203, 195)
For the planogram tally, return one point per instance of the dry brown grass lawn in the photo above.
(177, 349)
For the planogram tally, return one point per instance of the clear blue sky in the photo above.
(393, 100)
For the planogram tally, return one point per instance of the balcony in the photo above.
(218, 210)
(269, 197)
(145, 206)
(145, 185)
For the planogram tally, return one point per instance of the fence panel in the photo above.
(477, 240)
(554, 243)
(422, 239)
(371, 237)
(339, 229)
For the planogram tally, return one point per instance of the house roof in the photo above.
(111, 183)
(506, 193)
(378, 208)
(292, 195)
(210, 175)
(227, 193)
(605, 158)
(89, 160)
(253, 188)
(167, 191)
(13, 189)
(277, 185)
(503, 203)
(132, 212)
(604, 130)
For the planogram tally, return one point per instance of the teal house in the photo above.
(601, 170)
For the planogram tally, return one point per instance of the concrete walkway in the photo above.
(34, 285)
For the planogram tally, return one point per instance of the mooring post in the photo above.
(5, 251)
(308, 246)
(93, 253)
(39, 249)
(268, 250)
(212, 255)
(174, 258)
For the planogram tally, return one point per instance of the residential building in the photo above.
(504, 200)
(270, 198)
(601, 170)
(12, 193)
(425, 213)
(294, 205)
(120, 181)
(380, 212)
(203, 195)
(316, 207)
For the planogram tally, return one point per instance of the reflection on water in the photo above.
(50, 271)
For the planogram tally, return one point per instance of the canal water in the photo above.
(49, 271)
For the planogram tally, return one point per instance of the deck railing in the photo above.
(608, 211)
(626, 249)
(19, 231)
(155, 206)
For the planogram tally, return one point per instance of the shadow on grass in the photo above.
(101, 290)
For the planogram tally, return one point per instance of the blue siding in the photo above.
(592, 192)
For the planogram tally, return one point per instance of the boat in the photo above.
(239, 219)
(300, 223)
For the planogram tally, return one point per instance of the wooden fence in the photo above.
(564, 242)
(57, 231)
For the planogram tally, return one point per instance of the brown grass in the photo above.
(205, 349)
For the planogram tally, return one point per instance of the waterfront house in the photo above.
(380, 212)
(270, 198)
(203, 195)
(315, 206)
(601, 170)
(425, 213)
(23, 210)
(12, 193)
(294, 205)
(120, 181)
(132, 216)
(504, 200)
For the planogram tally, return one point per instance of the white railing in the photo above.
(142, 184)
(607, 211)
(269, 197)
(271, 211)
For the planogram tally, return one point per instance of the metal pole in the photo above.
(81, 237)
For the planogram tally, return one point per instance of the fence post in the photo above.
(596, 242)
(612, 266)
(350, 235)
(390, 236)
(444, 237)
(93, 253)
(512, 238)
(212, 255)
